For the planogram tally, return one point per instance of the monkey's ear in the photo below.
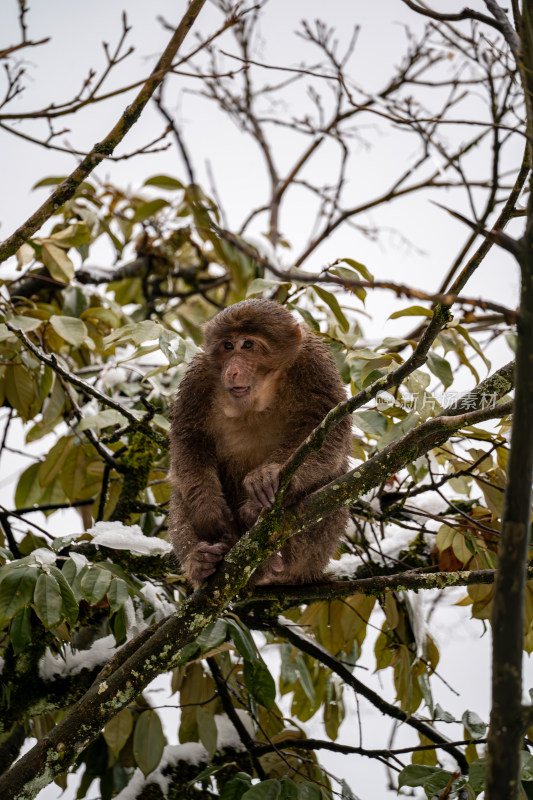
(297, 332)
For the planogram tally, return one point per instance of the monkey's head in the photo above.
(251, 344)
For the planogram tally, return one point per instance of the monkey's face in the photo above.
(248, 374)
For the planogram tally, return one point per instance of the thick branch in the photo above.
(289, 596)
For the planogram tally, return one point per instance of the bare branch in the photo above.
(106, 147)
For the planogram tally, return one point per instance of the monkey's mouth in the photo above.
(239, 391)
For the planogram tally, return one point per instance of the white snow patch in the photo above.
(192, 753)
(44, 556)
(396, 540)
(80, 560)
(128, 537)
(53, 666)
(161, 605)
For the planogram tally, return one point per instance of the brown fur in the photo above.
(244, 405)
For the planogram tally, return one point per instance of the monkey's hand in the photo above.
(203, 560)
(261, 486)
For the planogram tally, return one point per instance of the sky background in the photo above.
(56, 71)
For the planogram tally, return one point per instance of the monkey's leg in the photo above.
(198, 557)
(305, 557)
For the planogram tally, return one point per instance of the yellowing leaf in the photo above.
(71, 329)
(20, 390)
(118, 729)
(460, 548)
(164, 182)
(412, 311)
(57, 262)
(73, 235)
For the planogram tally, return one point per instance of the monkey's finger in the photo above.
(253, 495)
(206, 547)
(262, 494)
(270, 491)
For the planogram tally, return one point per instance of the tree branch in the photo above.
(307, 645)
(106, 147)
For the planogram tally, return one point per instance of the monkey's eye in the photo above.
(247, 344)
(228, 345)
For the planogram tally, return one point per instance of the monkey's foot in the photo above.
(203, 561)
(272, 570)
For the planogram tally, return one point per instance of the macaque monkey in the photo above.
(246, 402)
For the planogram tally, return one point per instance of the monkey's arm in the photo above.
(317, 388)
(194, 473)
(200, 522)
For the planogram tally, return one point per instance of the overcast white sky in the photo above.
(56, 72)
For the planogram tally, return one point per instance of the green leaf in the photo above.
(289, 790)
(260, 682)
(412, 311)
(57, 262)
(70, 605)
(20, 390)
(187, 653)
(147, 210)
(333, 303)
(74, 235)
(266, 790)
(213, 635)
(52, 180)
(242, 639)
(20, 630)
(95, 582)
(441, 369)
(476, 775)
(25, 324)
(119, 626)
(48, 600)
(305, 677)
(16, 590)
(526, 766)
(104, 419)
(416, 775)
(74, 473)
(371, 422)
(28, 487)
(259, 285)
(117, 594)
(173, 347)
(360, 268)
(117, 731)
(208, 730)
(164, 182)
(71, 329)
(148, 741)
(309, 791)
(52, 465)
(346, 792)
(235, 788)
(474, 724)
